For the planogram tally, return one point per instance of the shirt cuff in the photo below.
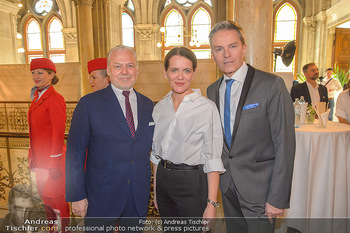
(154, 159)
(214, 165)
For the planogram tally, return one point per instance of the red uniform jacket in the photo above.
(47, 120)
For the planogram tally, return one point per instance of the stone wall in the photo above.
(16, 81)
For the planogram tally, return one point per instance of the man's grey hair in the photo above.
(121, 47)
(227, 25)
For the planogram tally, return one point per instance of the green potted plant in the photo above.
(341, 75)
(310, 114)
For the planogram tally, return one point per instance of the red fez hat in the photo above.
(42, 63)
(97, 64)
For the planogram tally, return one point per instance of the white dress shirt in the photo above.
(236, 91)
(343, 105)
(191, 135)
(314, 94)
(132, 99)
(333, 86)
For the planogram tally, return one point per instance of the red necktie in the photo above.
(36, 95)
(128, 114)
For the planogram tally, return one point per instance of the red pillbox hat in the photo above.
(97, 64)
(42, 63)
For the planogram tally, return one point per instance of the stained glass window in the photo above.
(167, 3)
(202, 53)
(131, 6)
(186, 3)
(201, 26)
(55, 35)
(286, 23)
(188, 27)
(173, 29)
(128, 30)
(43, 6)
(33, 35)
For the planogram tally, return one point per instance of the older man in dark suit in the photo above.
(312, 92)
(258, 120)
(115, 126)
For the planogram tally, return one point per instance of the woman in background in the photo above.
(47, 121)
(343, 106)
(97, 69)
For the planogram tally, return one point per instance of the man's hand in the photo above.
(80, 207)
(272, 212)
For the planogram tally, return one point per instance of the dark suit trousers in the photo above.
(181, 193)
(244, 217)
(127, 222)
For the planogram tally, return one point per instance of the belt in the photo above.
(171, 166)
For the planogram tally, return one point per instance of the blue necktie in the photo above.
(227, 112)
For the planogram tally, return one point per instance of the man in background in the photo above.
(333, 86)
(310, 89)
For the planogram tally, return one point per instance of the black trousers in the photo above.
(181, 195)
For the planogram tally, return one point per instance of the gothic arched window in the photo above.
(42, 31)
(56, 50)
(186, 23)
(33, 42)
(173, 23)
(128, 30)
(200, 29)
(285, 30)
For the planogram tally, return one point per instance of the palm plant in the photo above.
(341, 74)
(301, 78)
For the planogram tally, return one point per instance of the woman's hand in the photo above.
(209, 216)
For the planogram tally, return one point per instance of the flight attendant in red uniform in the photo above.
(47, 120)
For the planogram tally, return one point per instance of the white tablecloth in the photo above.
(321, 177)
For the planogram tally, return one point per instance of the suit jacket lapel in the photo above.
(142, 120)
(217, 93)
(306, 90)
(217, 102)
(245, 90)
(113, 107)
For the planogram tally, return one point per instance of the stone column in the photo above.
(71, 44)
(146, 38)
(115, 22)
(85, 38)
(329, 59)
(230, 9)
(100, 27)
(308, 49)
(8, 33)
(320, 58)
(255, 17)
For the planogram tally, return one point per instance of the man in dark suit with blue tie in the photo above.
(111, 132)
(258, 121)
